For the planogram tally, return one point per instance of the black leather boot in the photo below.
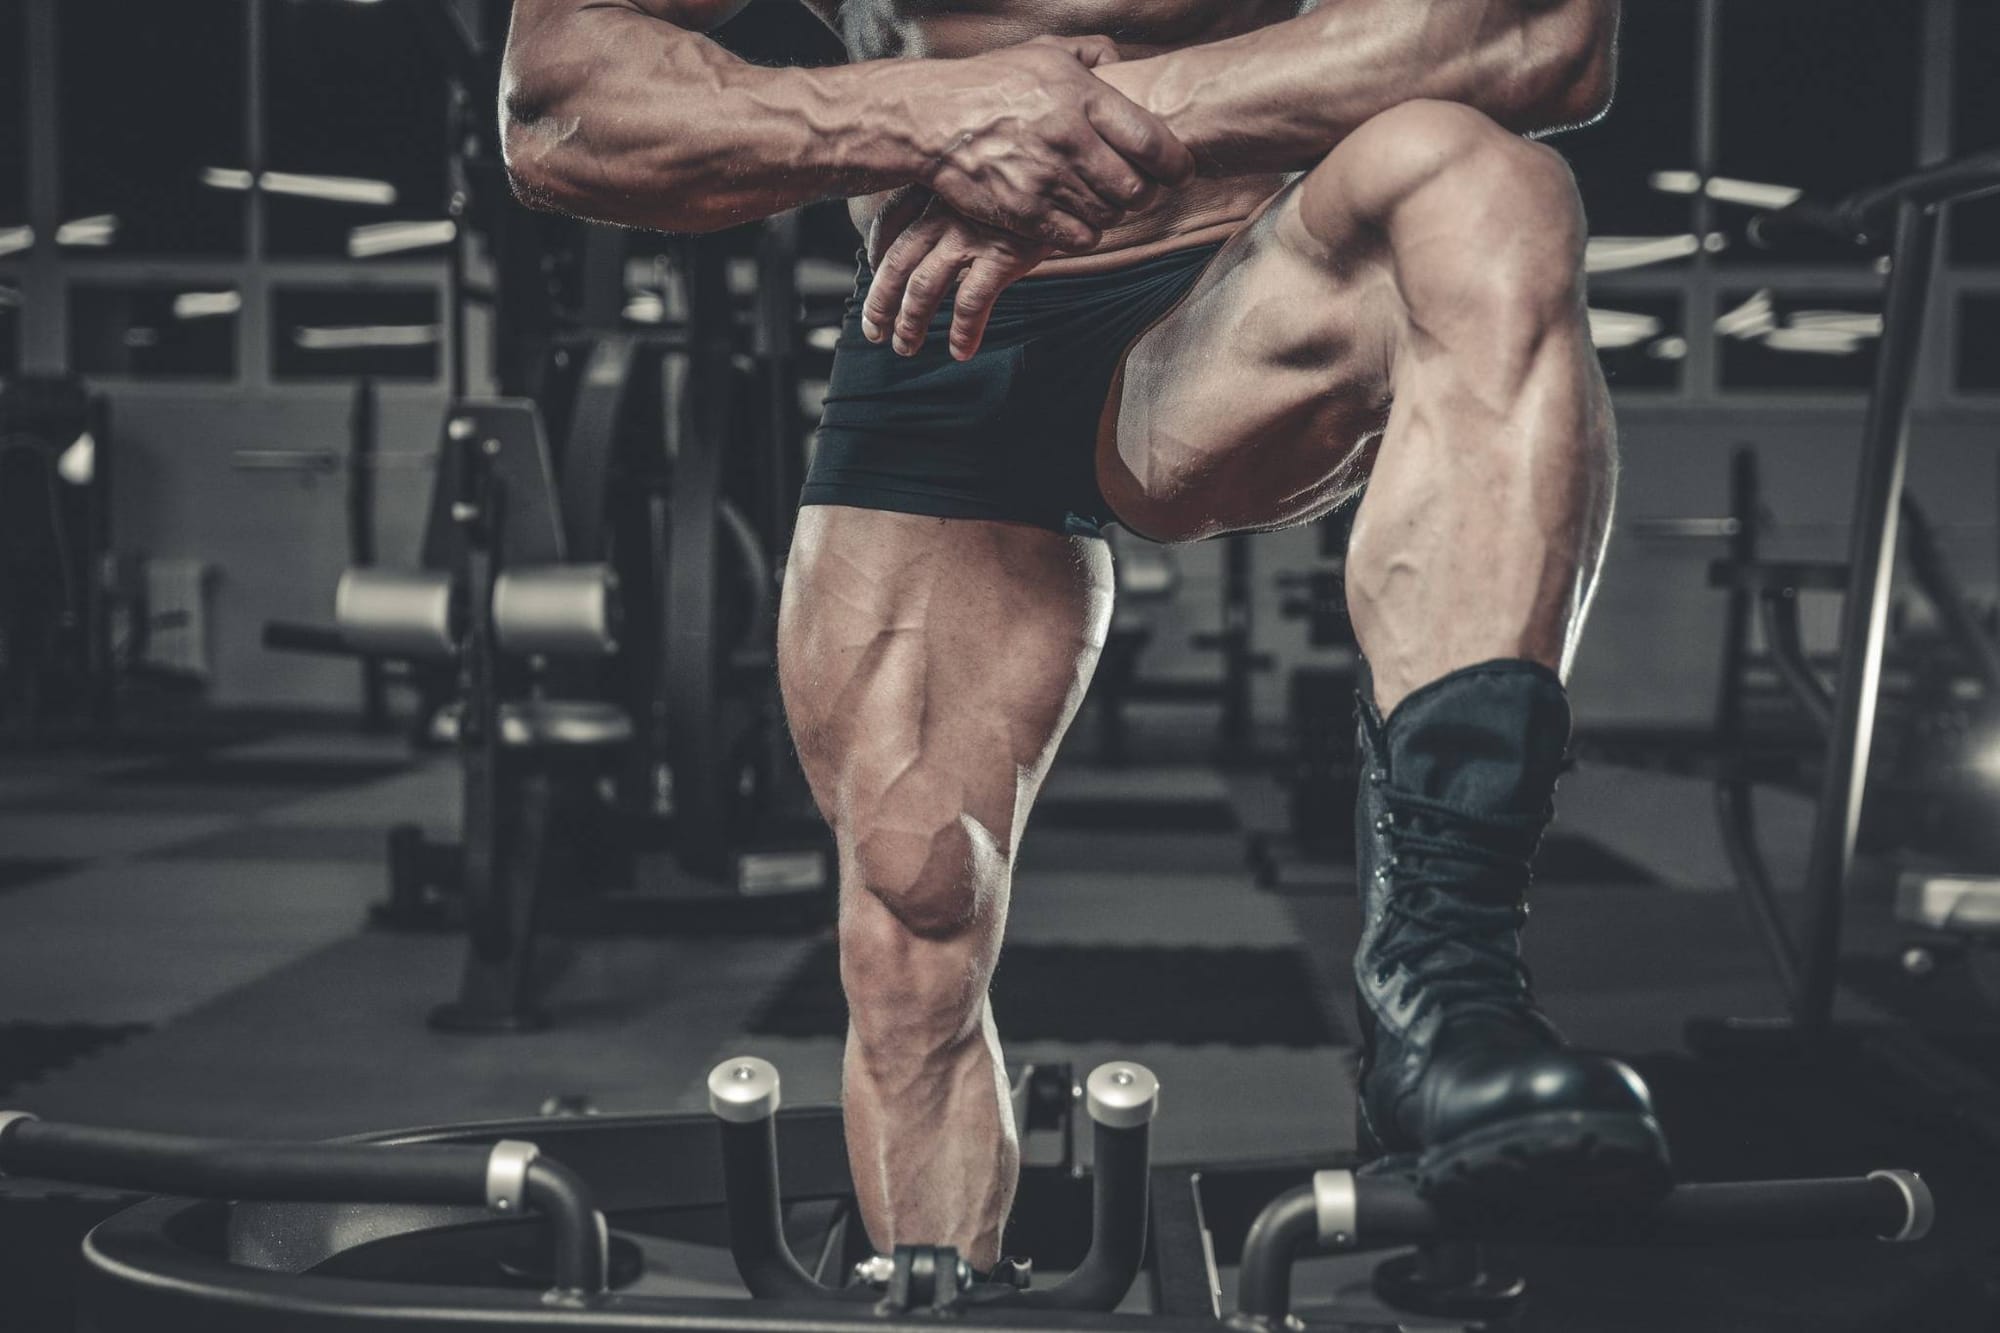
(1463, 1080)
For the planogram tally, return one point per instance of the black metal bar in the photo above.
(286, 637)
(477, 509)
(1735, 796)
(221, 1168)
(774, 343)
(687, 626)
(1234, 742)
(1736, 815)
(581, 1251)
(1778, 612)
(1121, 1161)
(1860, 217)
(307, 1172)
(1933, 574)
(1180, 1268)
(458, 207)
(100, 586)
(1884, 452)
(756, 1215)
(1885, 1205)
(1746, 505)
(364, 429)
(1283, 1231)
(1379, 1212)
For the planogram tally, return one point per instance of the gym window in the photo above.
(13, 127)
(1641, 341)
(152, 127)
(1847, 78)
(1824, 342)
(155, 331)
(354, 120)
(1975, 226)
(346, 334)
(1650, 128)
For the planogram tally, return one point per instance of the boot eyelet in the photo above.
(1378, 776)
(1383, 823)
(1381, 976)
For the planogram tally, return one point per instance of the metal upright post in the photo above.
(1236, 744)
(1872, 547)
(774, 335)
(361, 464)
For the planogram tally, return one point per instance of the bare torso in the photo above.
(1207, 208)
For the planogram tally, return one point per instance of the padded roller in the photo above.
(398, 613)
(557, 611)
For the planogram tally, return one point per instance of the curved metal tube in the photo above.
(1288, 1224)
(1122, 1166)
(1341, 1211)
(312, 1173)
(744, 1096)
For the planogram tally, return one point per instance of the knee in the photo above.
(928, 868)
(1484, 226)
(919, 931)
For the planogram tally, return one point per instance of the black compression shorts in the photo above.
(1010, 434)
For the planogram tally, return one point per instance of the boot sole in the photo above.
(1567, 1163)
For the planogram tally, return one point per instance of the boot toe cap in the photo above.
(1486, 1091)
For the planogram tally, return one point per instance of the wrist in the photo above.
(866, 114)
(1156, 85)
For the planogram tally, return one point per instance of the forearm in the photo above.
(1281, 97)
(622, 117)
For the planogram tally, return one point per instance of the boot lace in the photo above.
(1430, 908)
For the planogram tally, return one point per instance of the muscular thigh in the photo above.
(1252, 404)
(929, 667)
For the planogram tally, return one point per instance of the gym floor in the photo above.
(184, 946)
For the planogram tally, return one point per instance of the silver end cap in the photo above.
(1917, 1195)
(507, 1175)
(1335, 1209)
(8, 1119)
(743, 1090)
(1122, 1095)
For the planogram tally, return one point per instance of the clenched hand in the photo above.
(1027, 140)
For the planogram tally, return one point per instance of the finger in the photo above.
(1092, 49)
(1016, 212)
(1112, 179)
(885, 290)
(904, 207)
(924, 294)
(1141, 138)
(1050, 219)
(1077, 194)
(1064, 231)
(977, 291)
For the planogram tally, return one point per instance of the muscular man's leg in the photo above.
(930, 667)
(1409, 315)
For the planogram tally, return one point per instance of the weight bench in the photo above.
(503, 611)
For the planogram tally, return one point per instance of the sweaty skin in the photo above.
(1398, 302)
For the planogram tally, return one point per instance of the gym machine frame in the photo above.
(1910, 211)
(388, 1232)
